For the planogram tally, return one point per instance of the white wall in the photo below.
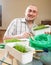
(15, 8)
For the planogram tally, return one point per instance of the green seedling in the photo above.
(21, 48)
(40, 27)
(12, 40)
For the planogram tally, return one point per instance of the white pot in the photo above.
(21, 57)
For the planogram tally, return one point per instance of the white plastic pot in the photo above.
(20, 56)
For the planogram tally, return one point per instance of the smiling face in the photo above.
(31, 12)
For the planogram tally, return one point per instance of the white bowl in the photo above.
(21, 57)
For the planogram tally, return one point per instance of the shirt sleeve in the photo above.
(11, 30)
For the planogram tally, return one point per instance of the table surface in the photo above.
(33, 62)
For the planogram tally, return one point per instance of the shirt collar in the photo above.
(23, 20)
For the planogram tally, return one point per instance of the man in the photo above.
(22, 27)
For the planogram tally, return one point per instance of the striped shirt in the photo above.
(17, 26)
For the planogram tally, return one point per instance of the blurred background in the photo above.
(10, 9)
(15, 8)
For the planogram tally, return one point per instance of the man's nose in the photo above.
(31, 13)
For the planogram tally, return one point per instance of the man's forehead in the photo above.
(32, 7)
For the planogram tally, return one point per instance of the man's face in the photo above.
(31, 13)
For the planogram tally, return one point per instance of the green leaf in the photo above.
(12, 40)
(40, 27)
(20, 48)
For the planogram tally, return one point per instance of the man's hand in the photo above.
(47, 32)
(26, 35)
(23, 35)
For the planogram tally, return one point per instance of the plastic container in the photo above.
(21, 57)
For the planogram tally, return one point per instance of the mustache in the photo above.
(31, 16)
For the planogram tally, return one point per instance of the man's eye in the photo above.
(34, 11)
(30, 10)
